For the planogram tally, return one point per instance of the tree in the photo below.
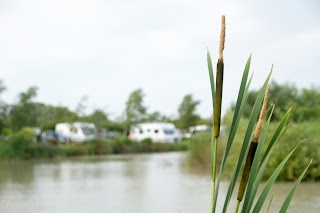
(23, 113)
(98, 117)
(49, 116)
(3, 108)
(82, 105)
(157, 117)
(187, 112)
(305, 102)
(135, 111)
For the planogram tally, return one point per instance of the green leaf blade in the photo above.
(242, 97)
(256, 161)
(253, 118)
(270, 182)
(287, 201)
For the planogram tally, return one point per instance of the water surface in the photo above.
(122, 184)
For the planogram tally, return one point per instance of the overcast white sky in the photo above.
(105, 49)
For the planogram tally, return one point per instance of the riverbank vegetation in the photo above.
(21, 145)
(304, 124)
(199, 152)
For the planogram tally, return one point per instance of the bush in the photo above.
(20, 141)
(146, 141)
(199, 150)
(76, 149)
(101, 147)
(123, 140)
(296, 164)
(43, 151)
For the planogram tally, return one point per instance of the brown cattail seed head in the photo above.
(262, 114)
(219, 82)
(222, 38)
(246, 170)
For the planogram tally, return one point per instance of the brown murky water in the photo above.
(122, 184)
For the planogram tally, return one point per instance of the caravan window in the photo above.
(88, 130)
(168, 131)
(156, 131)
(141, 131)
(73, 129)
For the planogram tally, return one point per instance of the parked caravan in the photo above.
(157, 132)
(78, 131)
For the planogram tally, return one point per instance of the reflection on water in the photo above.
(122, 183)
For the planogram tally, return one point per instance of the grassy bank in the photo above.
(199, 152)
(21, 146)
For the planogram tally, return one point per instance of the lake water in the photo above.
(141, 183)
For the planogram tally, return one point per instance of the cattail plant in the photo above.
(217, 100)
(256, 160)
(252, 150)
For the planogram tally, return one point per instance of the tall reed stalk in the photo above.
(218, 102)
(253, 141)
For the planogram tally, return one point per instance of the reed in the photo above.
(217, 100)
(252, 151)
(253, 141)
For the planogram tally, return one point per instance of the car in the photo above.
(51, 136)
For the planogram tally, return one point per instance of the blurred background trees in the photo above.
(26, 112)
(305, 102)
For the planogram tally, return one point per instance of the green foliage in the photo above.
(17, 145)
(296, 164)
(147, 141)
(3, 108)
(157, 117)
(187, 112)
(98, 117)
(305, 102)
(102, 148)
(119, 147)
(21, 140)
(135, 111)
(199, 150)
(24, 113)
(76, 149)
(36, 150)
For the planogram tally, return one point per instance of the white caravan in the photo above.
(157, 132)
(77, 132)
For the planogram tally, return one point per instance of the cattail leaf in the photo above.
(270, 204)
(256, 161)
(253, 118)
(241, 92)
(253, 192)
(210, 69)
(257, 181)
(270, 182)
(287, 201)
(277, 133)
(211, 75)
(241, 100)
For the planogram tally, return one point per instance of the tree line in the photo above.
(26, 112)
